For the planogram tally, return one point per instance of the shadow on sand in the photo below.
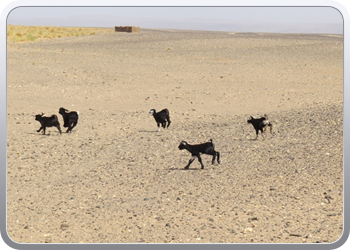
(148, 131)
(183, 169)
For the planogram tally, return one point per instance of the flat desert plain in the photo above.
(115, 179)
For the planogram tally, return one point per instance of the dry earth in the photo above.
(114, 179)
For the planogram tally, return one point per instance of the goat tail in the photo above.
(211, 141)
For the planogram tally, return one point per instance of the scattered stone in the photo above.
(295, 235)
(48, 238)
(248, 230)
(64, 227)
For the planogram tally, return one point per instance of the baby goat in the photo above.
(196, 150)
(48, 122)
(70, 118)
(162, 117)
(260, 124)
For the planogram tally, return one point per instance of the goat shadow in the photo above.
(183, 169)
(259, 139)
(148, 131)
(47, 134)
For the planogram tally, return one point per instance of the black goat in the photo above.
(70, 118)
(162, 117)
(260, 124)
(196, 150)
(48, 122)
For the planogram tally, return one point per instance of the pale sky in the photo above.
(239, 19)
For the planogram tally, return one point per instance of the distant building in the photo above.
(130, 29)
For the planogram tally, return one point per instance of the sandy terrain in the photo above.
(115, 179)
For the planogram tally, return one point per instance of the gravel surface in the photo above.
(115, 179)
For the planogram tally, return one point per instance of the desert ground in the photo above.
(115, 179)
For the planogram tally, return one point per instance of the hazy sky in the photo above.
(240, 19)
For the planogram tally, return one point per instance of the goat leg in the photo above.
(213, 160)
(270, 125)
(200, 161)
(262, 132)
(74, 124)
(59, 128)
(217, 156)
(264, 129)
(189, 162)
(257, 132)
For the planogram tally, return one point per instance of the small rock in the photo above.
(48, 238)
(248, 230)
(295, 235)
(64, 226)
(232, 231)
